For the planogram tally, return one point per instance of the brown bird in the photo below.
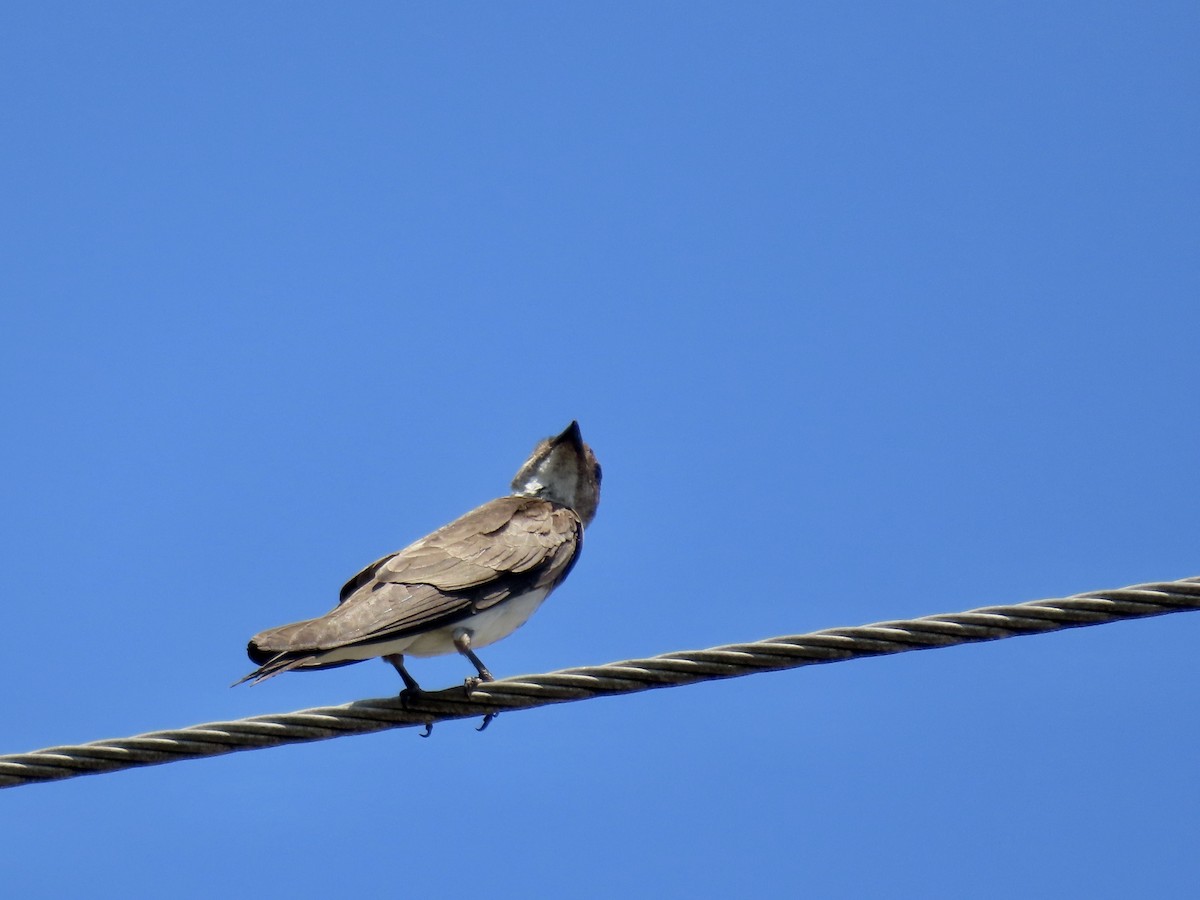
(466, 585)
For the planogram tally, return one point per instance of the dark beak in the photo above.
(572, 435)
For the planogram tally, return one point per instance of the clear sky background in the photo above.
(869, 311)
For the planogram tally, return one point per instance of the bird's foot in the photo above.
(470, 684)
(474, 681)
(408, 697)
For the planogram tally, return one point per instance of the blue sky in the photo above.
(869, 311)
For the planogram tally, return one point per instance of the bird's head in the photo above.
(562, 469)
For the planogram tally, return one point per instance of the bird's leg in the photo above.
(462, 642)
(410, 683)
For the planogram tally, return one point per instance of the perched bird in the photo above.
(466, 585)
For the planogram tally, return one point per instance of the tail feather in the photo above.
(279, 650)
(290, 639)
(281, 662)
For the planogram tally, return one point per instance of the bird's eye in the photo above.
(598, 474)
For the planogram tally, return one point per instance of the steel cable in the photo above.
(629, 676)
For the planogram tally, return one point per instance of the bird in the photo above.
(466, 585)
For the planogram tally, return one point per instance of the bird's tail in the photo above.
(278, 650)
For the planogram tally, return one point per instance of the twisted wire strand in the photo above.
(989, 623)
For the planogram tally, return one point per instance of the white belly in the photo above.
(485, 628)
